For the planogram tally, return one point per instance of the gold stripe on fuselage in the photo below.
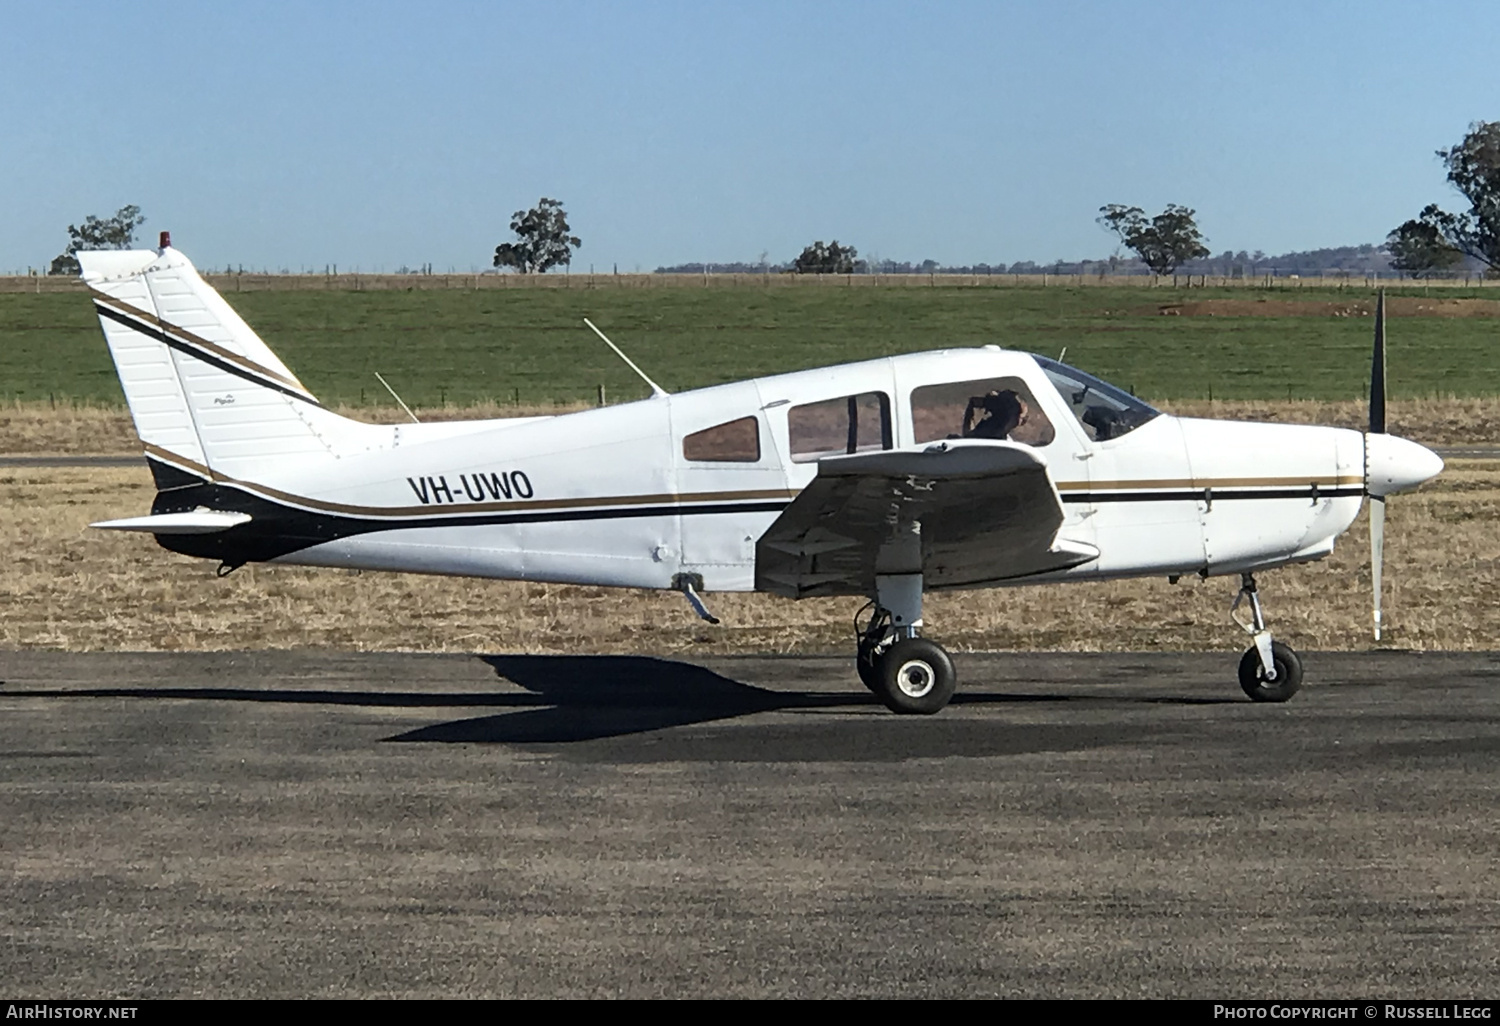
(1178, 484)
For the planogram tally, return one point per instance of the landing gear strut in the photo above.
(1269, 670)
(905, 671)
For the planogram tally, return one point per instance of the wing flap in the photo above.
(988, 513)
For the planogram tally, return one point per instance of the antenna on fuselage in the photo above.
(396, 397)
(656, 390)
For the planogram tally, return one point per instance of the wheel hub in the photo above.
(915, 678)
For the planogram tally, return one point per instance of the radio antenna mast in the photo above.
(657, 392)
(396, 397)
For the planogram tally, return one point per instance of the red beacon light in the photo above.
(166, 240)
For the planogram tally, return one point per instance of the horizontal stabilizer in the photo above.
(200, 521)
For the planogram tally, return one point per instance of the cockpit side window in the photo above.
(738, 441)
(835, 427)
(998, 408)
(1104, 411)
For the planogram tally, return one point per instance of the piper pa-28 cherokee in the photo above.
(965, 468)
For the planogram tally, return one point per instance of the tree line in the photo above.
(1436, 241)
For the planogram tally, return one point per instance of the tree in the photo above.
(1163, 243)
(1418, 247)
(1474, 170)
(829, 259)
(544, 239)
(116, 232)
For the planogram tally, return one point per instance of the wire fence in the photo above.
(267, 282)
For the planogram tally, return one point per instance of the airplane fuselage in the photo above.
(641, 493)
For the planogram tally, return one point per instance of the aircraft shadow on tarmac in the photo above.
(589, 698)
(593, 697)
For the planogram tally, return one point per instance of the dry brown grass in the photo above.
(68, 587)
(1446, 421)
(31, 428)
(41, 429)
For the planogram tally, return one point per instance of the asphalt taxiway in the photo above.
(282, 824)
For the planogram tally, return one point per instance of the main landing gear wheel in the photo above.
(1288, 674)
(915, 677)
(908, 673)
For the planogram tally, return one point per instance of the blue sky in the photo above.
(375, 135)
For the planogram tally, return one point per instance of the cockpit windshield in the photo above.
(1104, 411)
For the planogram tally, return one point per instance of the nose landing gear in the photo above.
(1269, 670)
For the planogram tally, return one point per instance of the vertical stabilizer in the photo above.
(202, 386)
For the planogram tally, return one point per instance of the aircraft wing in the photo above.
(988, 513)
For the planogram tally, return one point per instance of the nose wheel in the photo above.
(1269, 670)
(1259, 686)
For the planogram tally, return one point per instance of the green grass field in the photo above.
(461, 347)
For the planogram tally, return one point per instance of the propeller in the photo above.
(1377, 427)
(1391, 464)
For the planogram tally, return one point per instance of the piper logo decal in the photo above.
(490, 487)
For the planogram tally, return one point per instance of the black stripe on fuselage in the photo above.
(1212, 494)
(196, 353)
(276, 529)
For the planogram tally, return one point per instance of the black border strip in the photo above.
(198, 354)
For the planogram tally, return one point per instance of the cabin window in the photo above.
(997, 408)
(836, 427)
(735, 442)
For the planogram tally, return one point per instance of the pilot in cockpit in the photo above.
(994, 415)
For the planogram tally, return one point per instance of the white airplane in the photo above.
(964, 468)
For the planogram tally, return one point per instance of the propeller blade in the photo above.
(1377, 369)
(1377, 552)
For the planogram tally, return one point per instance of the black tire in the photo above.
(867, 665)
(915, 677)
(1288, 674)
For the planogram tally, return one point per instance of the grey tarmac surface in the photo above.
(273, 824)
